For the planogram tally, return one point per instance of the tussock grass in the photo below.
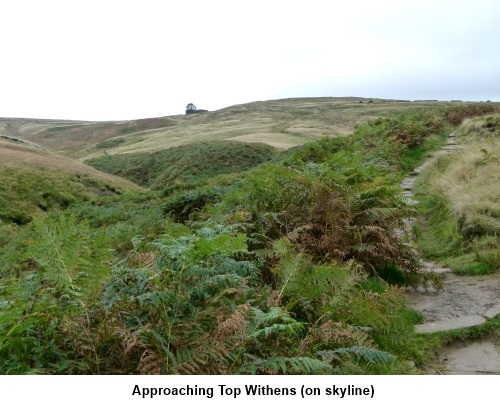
(480, 129)
(469, 181)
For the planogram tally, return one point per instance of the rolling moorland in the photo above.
(270, 237)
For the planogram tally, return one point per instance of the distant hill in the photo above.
(70, 138)
(279, 123)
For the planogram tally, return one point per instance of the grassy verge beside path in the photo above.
(460, 201)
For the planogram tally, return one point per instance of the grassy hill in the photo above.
(70, 137)
(279, 123)
(184, 164)
(35, 181)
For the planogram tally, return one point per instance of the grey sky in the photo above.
(135, 59)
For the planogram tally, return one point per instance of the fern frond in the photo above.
(202, 360)
(280, 322)
(376, 214)
(180, 362)
(57, 247)
(274, 314)
(285, 365)
(277, 328)
(360, 354)
(263, 253)
(282, 247)
(149, 363)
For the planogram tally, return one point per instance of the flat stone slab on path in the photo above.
(473, 358)
(410, 201)
(407, 183)
(450, 324)
(462, 296)
(492, 312)
(452, 147)
(440, 270)
(435, 268)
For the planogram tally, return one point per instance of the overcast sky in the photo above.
(106, 60)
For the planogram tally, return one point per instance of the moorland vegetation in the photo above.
(256, 261)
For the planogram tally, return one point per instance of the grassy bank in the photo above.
(460, 197)
(34, 182)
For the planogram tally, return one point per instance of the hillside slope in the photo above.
(184, 164)
(34, 181)
(279, 123)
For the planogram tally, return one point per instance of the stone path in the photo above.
(464, 302)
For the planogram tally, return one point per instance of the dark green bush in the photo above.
(181, 205)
